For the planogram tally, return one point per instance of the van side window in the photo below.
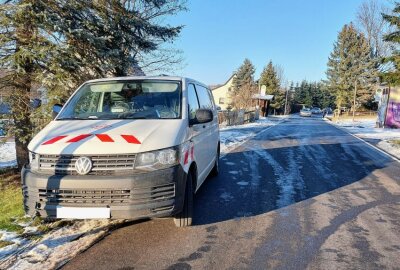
(204, 97)
(192, 102)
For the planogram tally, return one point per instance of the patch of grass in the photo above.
(43, 228)
(34, 237)
(9, 176)
(11, 208)
(356, 118)
(396, 142)
(5, 243)
(36, 221)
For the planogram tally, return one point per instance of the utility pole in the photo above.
(286, 99)
(354, 100)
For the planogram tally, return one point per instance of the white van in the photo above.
(130, 147)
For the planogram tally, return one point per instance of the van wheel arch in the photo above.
(185, 217)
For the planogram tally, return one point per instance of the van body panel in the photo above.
(150, 135)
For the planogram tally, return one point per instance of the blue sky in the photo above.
(296, 34)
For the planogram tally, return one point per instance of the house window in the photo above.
(221, 100)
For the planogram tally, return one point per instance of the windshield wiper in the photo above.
(133, 117)
(76, 118)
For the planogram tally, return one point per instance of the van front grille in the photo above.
(102, 164)
(136, 196)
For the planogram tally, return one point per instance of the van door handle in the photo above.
(204, 126)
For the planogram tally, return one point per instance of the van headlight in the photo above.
(34, 161)
(156, 160)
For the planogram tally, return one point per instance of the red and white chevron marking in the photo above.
(101, 137)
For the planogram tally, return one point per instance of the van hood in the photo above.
(97, 137)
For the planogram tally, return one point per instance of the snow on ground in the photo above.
(7, 155)
(13, 238)
(232, 136)
(55, 248)
(379, 137)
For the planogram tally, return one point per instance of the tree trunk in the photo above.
(20, 100)
(22, 153)
(21, 115)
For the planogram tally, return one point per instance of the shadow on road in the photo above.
(260, 180)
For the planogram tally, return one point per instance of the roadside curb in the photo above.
(369, 144)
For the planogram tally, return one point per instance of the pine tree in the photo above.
(244, 76)
(350, 61)
(393, 75)
(61, 43)
(23, 48)
(269, 78)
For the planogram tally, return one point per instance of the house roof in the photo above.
(220, 85)
(263, 97)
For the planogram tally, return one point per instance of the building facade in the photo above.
(222, 94)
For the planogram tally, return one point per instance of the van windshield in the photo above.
(125, 100)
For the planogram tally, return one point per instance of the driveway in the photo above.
(300, 195)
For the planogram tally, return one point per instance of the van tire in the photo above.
(184, 218)
(215, 169)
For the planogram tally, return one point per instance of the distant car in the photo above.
(316, 110)
(306, 112)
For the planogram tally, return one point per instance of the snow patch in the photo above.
(226, 196)
(232, 136)
(380, 137)
(56, 247)
(8, 156)
(243, 183)
(13, 238)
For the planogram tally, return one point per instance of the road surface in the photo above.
(300, 195)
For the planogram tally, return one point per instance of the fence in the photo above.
(237, 117)
(39, 124)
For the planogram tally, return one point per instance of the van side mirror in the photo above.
(204, 116)
(56, 110)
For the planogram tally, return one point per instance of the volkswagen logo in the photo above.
(83, 165)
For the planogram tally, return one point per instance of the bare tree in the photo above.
(280, 75)
(243, 98)
(371, 23)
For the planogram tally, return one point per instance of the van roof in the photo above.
(164, 78)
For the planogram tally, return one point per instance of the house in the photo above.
(222, 93)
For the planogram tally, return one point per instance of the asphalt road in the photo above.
(301, 195)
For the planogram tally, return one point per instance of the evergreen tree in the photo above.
(350, 61)
(23, 49)
(61, 43)
(313, 94)
(269, 78)
(393, 74)
(244, 76)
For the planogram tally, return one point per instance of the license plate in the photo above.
(83, 212)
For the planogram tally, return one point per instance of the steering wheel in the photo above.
(120, 107)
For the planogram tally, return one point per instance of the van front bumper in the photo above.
(140, 195)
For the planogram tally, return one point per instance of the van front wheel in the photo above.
(184, 218)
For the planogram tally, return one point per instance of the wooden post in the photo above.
(354, 101)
